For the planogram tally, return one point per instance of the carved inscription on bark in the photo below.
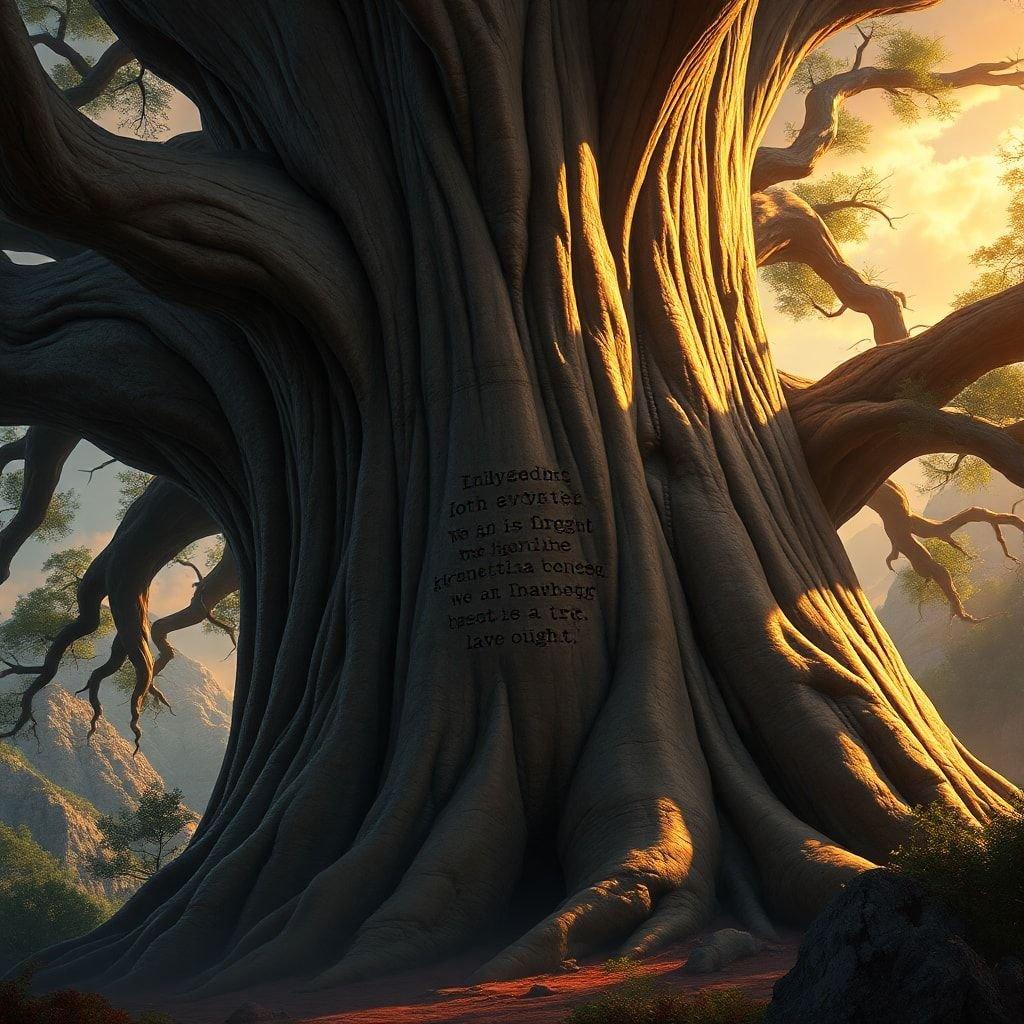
(518, 575)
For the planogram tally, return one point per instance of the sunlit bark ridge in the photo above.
(428, 245)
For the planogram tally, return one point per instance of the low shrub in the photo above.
(67, 1007)
(978, 873)
(639, 999)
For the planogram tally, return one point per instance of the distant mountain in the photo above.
(867, 549)
(182, 750)
(58, 784)
(186, 747)
(101, 771)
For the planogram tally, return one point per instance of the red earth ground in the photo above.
(420, 997)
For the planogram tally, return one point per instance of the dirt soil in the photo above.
(431, 996)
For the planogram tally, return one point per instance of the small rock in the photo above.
(721, 949)
(570, 966)
(537, 990)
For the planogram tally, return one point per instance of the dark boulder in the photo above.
(537, 991)
(884, 952)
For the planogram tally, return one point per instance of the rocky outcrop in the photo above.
(102, 769)
(57, 782)
(61, 822)
(886, 953)
(182, 750)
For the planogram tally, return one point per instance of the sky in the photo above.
(944, 182)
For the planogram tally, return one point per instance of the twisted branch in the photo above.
(158, 524)
(903, 527)
(817, 135)
(210, 590)
(884, 406)
(788, 230)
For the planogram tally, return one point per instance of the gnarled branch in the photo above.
(162, 211)
(903, 528)
(884, 406)
(97, 77)
(788, 230)
(774, 164)
(158, 524)
(71, 331)
(221, 581)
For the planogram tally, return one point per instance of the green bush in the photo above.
(40, 902)
(640, 1000)
(977, 872)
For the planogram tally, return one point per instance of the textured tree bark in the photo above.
(531, 562)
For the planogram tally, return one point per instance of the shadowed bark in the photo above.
(537, 261)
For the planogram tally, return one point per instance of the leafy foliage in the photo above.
(964, 472)
(227, 611)
(975, 871)
(40, 903)
(799, 292)
(133, 483)
(136, 844)
(998, 396)
(1001, 264)
(817, 67)
(17, 1006)
(60, 515)
(849, 223)
(40, 614)
(139, 99)
(82, 20)
(639, 1000)
(901, 48)
(921, 591)
(853, 133)
(10, 434)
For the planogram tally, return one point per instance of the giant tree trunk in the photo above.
(531, 561)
